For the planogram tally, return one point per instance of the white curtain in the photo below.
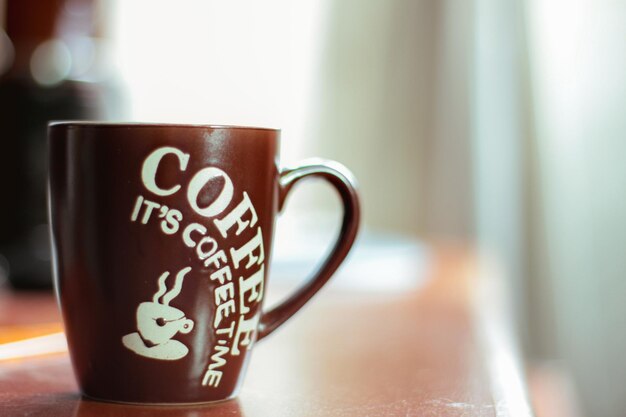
(578, 68)
(394, 107)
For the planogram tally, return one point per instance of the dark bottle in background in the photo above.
(51, 59)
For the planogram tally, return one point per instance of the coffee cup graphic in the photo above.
(158, 323)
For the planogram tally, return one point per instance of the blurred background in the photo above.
(497, 125)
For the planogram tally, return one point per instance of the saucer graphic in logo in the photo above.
(158, 323)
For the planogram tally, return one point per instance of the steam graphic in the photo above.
(178, 285)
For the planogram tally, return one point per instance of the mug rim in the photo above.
(98, 124)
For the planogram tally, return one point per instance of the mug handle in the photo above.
(343, 181)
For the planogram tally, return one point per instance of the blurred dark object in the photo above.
(48, 51)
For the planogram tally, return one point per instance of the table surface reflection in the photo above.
(417, 352)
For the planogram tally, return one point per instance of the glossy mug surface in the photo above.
(161, 239)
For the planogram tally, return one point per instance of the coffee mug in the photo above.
(161, 238)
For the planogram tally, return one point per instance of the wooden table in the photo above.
(440, 349)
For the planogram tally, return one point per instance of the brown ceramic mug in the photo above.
(161, 238)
